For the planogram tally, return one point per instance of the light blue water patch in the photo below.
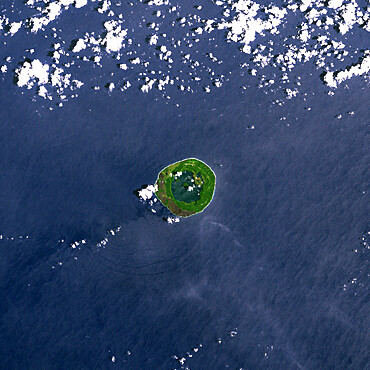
(184, 188)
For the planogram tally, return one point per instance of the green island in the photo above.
(186, 187)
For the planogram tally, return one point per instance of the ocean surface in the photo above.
(272, 275)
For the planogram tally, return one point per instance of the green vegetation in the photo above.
(186, 187)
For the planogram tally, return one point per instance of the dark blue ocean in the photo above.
(262, 279)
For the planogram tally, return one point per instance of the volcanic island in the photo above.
(186, 187)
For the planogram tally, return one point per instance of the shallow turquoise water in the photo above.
(180, 188)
